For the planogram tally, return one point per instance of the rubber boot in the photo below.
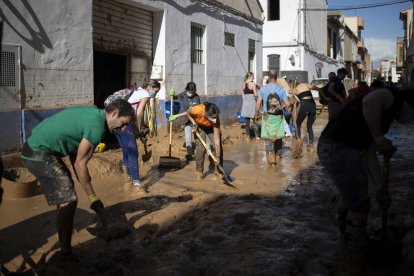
(189, 155)
(296, 149)
(278, 158)
(310, 148)
(271, 158)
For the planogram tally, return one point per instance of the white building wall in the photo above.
(224, 67)
(56, 42)
(57, 48)
(299, 38)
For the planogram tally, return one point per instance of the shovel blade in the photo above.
(227, 179)
(147, 156)
(169, 162)
(110, 232)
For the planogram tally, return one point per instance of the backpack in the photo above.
(322, 100)
(123, 94)
(274, 106)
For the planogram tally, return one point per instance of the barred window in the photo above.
(8, 69)
(252, 52)
(228, 39)
(273, 62)
(197, 44)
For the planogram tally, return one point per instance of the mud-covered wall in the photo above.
(55, 37)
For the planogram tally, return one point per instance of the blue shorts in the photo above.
(53, 175)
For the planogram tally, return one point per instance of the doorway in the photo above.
(109, 71)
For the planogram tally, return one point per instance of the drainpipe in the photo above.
(300, 33)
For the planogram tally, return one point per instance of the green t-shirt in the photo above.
(62, 133)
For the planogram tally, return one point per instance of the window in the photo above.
(273, 10)
(228, 39)
(197, 44)
(273, 62)
(252, 51)
(9, 68)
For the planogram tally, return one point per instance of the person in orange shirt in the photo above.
(205, 119)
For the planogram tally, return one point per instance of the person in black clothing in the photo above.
(347, 149)
(188, 98)
(337, 93)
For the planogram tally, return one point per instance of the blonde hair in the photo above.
(248, 75)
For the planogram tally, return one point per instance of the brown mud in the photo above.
(280, 220)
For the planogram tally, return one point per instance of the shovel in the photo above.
(109, 231)
(296, 141)
(384, 190)
(169, 161)
(385, 249)
(225, 177)
(147, 156)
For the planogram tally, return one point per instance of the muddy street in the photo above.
(277, 221)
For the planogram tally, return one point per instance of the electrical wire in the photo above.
(357, 7)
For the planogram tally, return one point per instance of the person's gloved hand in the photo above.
(98, 207)
(173, 117)
(100, 147)
(385, 146)
(171, 92)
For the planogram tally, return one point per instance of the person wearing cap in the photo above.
(188, 98)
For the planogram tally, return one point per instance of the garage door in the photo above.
(122, 28)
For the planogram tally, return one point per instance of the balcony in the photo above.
(361, 44)
(361, 23)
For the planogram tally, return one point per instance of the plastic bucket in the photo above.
(240, 118)
(176, 108)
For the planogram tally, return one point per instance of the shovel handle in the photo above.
(171, 113)
(207, 148)
(384, 189)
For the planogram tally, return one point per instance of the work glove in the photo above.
(100, 147)
(173, 117)
(385, 146)
(171, 92)
(98, 207)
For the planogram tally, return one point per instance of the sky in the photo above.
(382, 25)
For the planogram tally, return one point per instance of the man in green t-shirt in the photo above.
(72, 132)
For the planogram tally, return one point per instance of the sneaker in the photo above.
(189, 157)
(136, 183)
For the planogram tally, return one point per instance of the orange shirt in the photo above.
(198, 113)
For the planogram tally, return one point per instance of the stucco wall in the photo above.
(57, 55)
(56, 41)
(224, 67)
